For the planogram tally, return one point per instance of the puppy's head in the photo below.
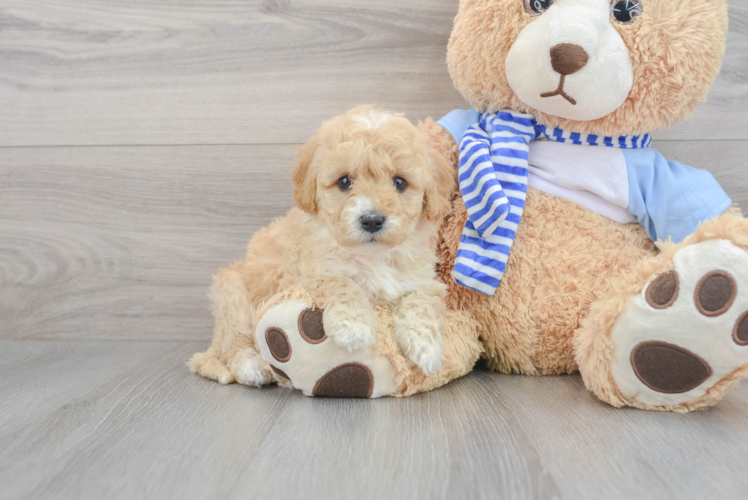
(372, 179)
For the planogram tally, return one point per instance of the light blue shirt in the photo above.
(667, 198)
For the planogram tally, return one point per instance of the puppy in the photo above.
(370, 193)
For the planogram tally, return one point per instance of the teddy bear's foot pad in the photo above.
(352, 380)
(293, 341)
(668, 368)
(688, 329)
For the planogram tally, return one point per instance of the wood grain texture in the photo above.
(106, 255)
(145, 428)
(204, 72)
(121, 242)
(85, 72)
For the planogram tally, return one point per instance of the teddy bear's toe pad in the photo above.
(278, 344)
(687, 330)
(293, 341)
(668, 368)
(310, 326)
(740, 335)
(352, 380)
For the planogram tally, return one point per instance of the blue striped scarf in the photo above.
(493, 177)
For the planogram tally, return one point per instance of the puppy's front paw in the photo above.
(423, 348)
(353, 335)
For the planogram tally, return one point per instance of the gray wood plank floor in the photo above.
(141, 145)
(118, 419)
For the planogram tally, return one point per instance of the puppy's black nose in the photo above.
(372, 222)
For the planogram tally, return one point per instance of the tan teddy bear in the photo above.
(548, 251)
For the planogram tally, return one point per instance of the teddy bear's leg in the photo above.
(673, 335)
(233, 355)
(297, 344)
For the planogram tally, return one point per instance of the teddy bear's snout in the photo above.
(568, 58)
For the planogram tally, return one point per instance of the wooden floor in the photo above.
(141, 145)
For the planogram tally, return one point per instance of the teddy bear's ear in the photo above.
(304, 179)
(438, 197)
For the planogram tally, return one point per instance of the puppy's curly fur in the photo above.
(324, 247)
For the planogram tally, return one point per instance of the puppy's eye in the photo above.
(537, 7)
(345, 183)
(400, 184)
(626, 11)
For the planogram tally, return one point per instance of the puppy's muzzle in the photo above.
(372, 222)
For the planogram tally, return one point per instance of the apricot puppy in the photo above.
(370, 192)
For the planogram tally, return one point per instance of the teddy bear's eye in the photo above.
(537, 7)
(626, 11)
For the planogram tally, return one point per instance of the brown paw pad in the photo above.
(278, 344)
(310, 326)
(280, 372)
(667, 368)
(740, 334)
(352, 380)
(715, 293)
(663, 291)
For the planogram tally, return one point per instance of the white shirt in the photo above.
(594, 177)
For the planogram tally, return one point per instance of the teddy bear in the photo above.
(572, 245)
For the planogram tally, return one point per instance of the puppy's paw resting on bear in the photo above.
(421, 344)
(419, 322)
(347, 329)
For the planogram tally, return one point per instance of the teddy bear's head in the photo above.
(608, 67)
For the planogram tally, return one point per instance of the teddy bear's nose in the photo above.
(568, 58)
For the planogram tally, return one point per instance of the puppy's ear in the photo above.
(438, 197)
(304, 180)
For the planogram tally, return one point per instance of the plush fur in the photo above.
(676, 51)
(572, 273)
(566, 252)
